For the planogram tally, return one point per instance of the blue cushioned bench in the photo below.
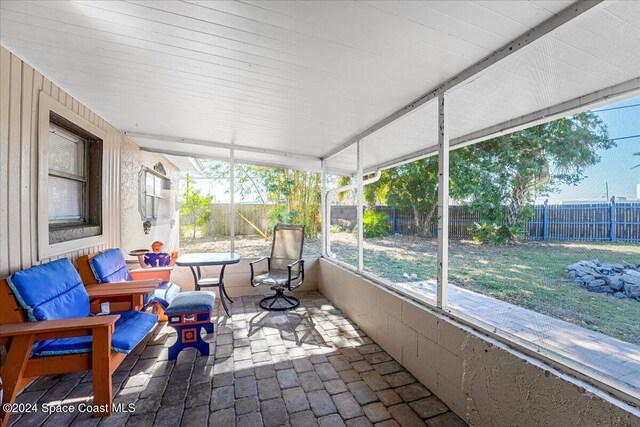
(48, 327)
(110, 267)
(188, 313)
(54, 291)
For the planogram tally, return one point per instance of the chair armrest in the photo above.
(257, 261)
(61, 326)
(133, 287)
(260, 260)
(159, 269)
(141, 282)
(289, 267)
(300, 261)
(162, 273)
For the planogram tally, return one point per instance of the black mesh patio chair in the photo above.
(285, 266)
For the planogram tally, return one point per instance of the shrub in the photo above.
(279, 214)
(336, 229)
(195, 211)
(376, 224)
(490, 232)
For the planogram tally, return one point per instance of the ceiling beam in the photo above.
(564, 109)
(477, 69)
(216, 144)
(184, 153)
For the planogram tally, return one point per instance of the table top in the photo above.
(209, 258)
(137, 252)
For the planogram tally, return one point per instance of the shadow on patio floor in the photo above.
(310, 366)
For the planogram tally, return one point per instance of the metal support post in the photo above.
(443, 201)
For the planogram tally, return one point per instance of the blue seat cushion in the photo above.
(164, 294)
(50, 291)
(130, 329)
(110, 266)
(192, 302)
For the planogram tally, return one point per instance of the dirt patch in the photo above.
(247, 246)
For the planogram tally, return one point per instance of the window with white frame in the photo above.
(67, 177)
(154, 184)
(70, 180)
(74, 181)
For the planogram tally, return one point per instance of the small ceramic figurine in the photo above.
(157, 258)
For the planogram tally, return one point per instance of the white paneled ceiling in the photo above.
(596, 50)
(304, 77)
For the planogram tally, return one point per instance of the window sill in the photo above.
(67, 233)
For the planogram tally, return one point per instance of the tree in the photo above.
(413, 185)
(294, 196)
(195, 210)
(501, 176)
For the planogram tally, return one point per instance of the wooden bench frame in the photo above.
(18, 334)
(138, 275)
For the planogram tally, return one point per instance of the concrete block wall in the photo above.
(483, 381)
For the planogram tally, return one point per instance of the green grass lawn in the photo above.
(529, 275)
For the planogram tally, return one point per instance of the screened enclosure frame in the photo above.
(440, 96)
(609, 71)
(444, 147)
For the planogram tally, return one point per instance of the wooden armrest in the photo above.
(150, 269)
(134, 287)
(162, 273)
(137, 282)
(60, 325)
(142, 282)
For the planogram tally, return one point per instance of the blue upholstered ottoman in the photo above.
(188, 313)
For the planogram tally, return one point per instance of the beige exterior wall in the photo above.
(166, 227)
(20, 87)
(481, 380)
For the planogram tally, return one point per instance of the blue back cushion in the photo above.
(51, 291)
(109, 267)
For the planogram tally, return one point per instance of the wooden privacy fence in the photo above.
(577, 221)
(258, 214)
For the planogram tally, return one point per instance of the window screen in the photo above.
(67, 176)
(153, 194)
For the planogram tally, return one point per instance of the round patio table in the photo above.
(196, 260)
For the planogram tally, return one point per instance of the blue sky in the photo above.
(615, 165)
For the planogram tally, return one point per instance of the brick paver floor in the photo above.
(308, 367)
